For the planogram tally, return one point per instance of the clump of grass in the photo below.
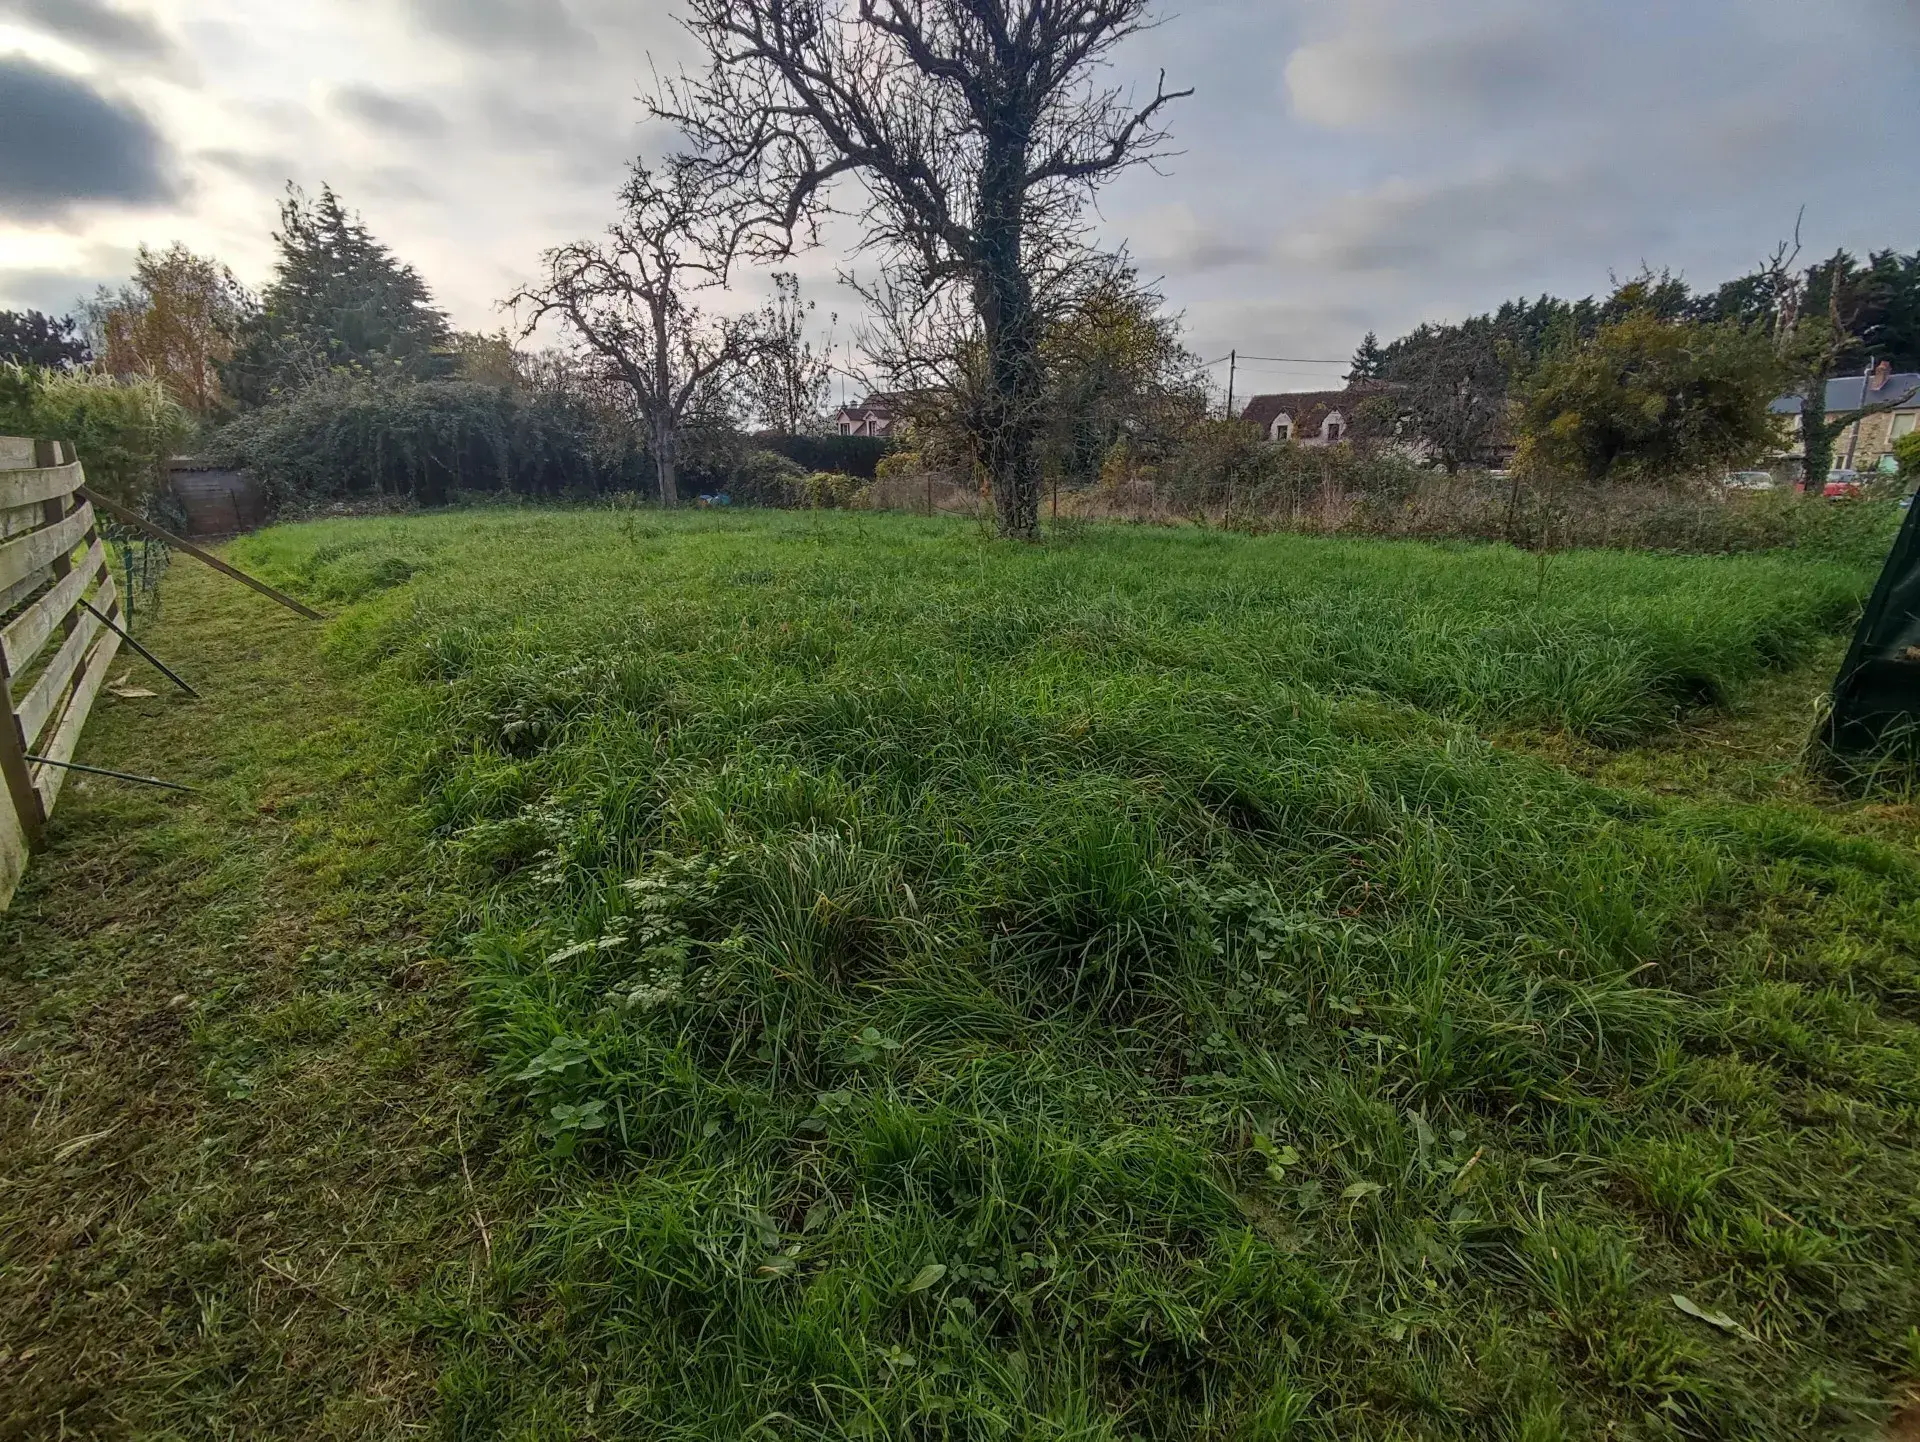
(953, 990)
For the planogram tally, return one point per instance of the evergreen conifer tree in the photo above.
(1369, 362)
(338, 300)
(30, 338)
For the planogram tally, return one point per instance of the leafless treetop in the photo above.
(925, 102)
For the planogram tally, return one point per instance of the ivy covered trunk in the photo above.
(1010, 411)
(1007, 442)
(1817, 436)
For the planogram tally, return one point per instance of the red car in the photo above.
(1840, 486)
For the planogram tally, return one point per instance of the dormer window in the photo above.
(1335, 427)
(1283, 428)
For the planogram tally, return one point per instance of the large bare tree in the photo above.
(629, 300)
(972, 134)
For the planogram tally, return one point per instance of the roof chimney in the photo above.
(1882, 373)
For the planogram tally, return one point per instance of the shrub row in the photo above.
(125, 431)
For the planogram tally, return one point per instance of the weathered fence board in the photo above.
(24, 557)
(13, 851)
(51, 687)
(23, 637)
(44, 594)
(51, 775)
(20, 520)
(38, 483)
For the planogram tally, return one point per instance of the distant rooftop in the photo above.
(1852, 393)
(1307, 408)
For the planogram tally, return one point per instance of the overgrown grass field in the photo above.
(1118, 990)
(1153, 985)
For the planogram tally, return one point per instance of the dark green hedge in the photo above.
(350, 435)
(849, 455)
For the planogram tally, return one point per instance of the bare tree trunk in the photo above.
(1008, 450)
(666, 459)
(1007, 440)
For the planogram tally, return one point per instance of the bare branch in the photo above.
(966, 137)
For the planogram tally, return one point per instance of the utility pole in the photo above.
(1233, 367)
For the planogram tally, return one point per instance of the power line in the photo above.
(1304, 360)
(1278, 370)
(1280, 360)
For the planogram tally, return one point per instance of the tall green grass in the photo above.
(1113, 990)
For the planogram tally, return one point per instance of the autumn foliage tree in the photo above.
(178, 321)
(1117, 374)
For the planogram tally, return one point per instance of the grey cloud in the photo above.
(509, 119)
(63, 144)
(392, 113)
(391, 182)
(546, 26)
(55, 292)
(97, 26)
(590, 143)
(1222, 253)
(1529, 72)
(265, 170)
(1319, 325)
(1199, 254)
(1390, 64)
(1174, 238)
(1484, 222)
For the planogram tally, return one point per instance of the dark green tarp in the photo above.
(1876, 700)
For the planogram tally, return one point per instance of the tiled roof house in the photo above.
(1309, 418)
(1868, 441)
(880, 414)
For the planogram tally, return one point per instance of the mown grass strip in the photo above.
(232, 1080)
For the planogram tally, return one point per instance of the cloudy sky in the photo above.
(1345, 165)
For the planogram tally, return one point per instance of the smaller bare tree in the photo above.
(788, 379)
(629, 301)
(1811, 344)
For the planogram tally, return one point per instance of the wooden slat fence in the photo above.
(55, 588)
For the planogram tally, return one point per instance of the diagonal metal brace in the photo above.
(161, 666)
(116, 775)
